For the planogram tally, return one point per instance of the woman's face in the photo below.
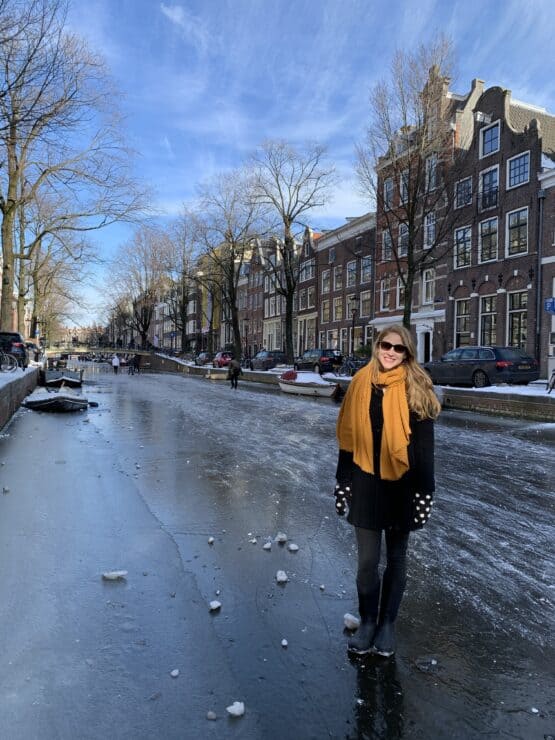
(387, 356)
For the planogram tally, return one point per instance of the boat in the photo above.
(60, 400)
(64, 377)
(307, 384)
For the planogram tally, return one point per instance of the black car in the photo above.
(319, 360)
(266, 359)
(13, 343)
(483, 366)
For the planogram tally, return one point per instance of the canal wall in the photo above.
(13, 389)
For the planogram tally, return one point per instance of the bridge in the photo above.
(83, 350)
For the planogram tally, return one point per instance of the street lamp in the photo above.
(353, 314)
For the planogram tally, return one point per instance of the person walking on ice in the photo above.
(115, 363)
(385, 477)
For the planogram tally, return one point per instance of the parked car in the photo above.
(483, 366)
(266, 359)
(13, 343)
(319, 360)
(222, 359)
(204, 358)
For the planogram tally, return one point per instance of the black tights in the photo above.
(395, 575)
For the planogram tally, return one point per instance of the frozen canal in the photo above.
(163, 464)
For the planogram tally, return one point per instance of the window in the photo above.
(404, 186)
(366, 303)
(325, 311)
(489, 188)
(384, 294)
(338, 309)
(463, 192)
(488, 240)
(302, 299)
(307, 270)
(463, 246)
(431, 172)
(488, 320)
(489, 140)
(388, 193)
(518, 170)
(403, 240)
(429, 229)
(387, 248)
(311, 297)
(517, 232)
(428, 286)
(518, 305)
(331, 255)
(462, 322)
(351, 274)
(400, 293)
(338, 278)
(272, 306)
(266, 283)
(326, 276)
(366, 269)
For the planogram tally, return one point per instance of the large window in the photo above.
(384, 294)
(387, 249)
(403, 240)
(489, 140)
(400, 293)
(366, 269)
(518, 307)
(517, 232)
(462, 322)
(518, 170)
(331, 255)
(404, 186)
(463, 192)
(488, 240)
(489, 188)
(338, 309)
(311, 299)
(325, 315)
(351, 274)
(338, 278)
(326, 277)
(302, 299)
(431, 172)
(388, 192)
(428, 286)
(488, 320)
(307, 271)
(463, 246)
(366, 303)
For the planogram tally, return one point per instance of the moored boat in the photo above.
(61, 400)
(307, 384)
(64, 377)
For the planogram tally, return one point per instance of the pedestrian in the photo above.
(130, 366)
(156, 341)
(234, 369)
(136, 363)
(385, 476)
(115, 363)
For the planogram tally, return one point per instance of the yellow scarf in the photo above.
(354, 432)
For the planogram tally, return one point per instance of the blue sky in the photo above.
(204, 82)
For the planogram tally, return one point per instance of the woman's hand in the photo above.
(342, 495)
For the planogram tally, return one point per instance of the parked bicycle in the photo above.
(8, 363)
(551, 382)
(350, 366)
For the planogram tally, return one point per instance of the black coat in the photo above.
(381, 504)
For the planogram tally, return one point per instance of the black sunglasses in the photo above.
(398, 348)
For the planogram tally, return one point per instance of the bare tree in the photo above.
(139, 278)
(59, 133)
(411, 159)
(226, 225)
(290, 182)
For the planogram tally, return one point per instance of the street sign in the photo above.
(549, 305)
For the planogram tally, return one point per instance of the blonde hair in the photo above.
(420, 390)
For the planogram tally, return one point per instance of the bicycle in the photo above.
(551, 382)
(8, 363)
(350, 366)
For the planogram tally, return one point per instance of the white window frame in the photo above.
(387, 250)
(482, 134)
(338, 284)
(384, 292)
(338, 316)
(388, 190)
(366, 297)
(482, 313)
(311, 296)
(326, 278)
(511, 159)
(366, 269)
(399, 293)
(431, 169)
(481, 191)
(431, 216)
(325, 303)
(403, 251)
(331, 255)
(404, 183)
(491, 259)
(461, 228)
(351, 279)
(517, 254)
(459, 182)
(428, 286)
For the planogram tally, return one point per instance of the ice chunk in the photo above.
(174, 673)
(281, 576)
(210, 540)
(114, 575)
(211, 715)
(253, 541)
(292, 547)
(351, 622)
(215, 605)
(267, 546)
(281, 537)
(284, 643)
(237, 709)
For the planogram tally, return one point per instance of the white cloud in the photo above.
(193, 28)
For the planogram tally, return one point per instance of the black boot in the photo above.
(392, 593)
(363, 641)
(384, 640)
